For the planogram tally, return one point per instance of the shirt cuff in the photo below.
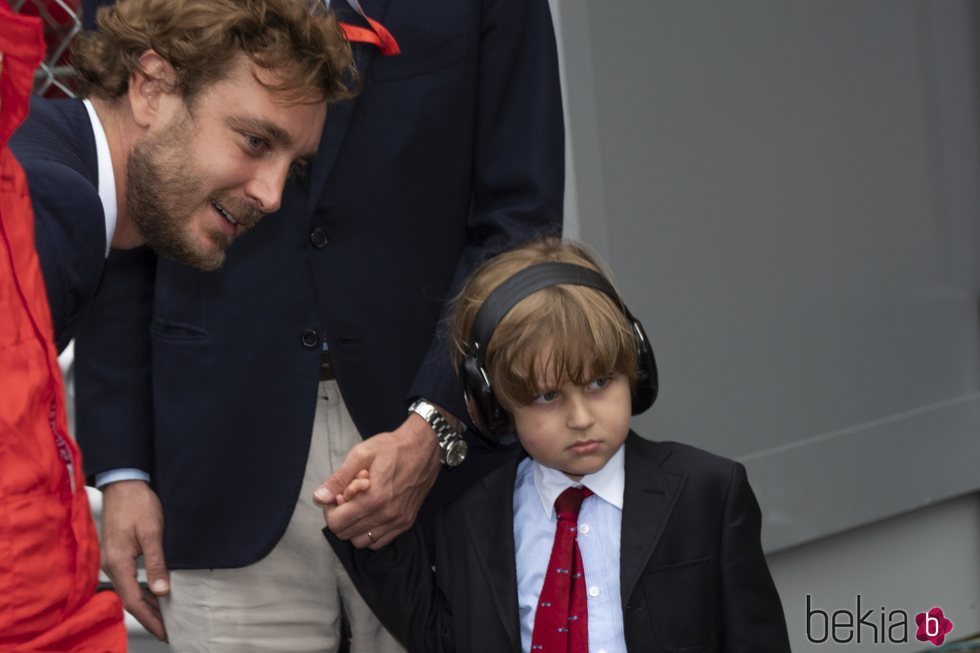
(124, 474)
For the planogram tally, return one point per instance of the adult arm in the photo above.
(114, 423)
(518, 185)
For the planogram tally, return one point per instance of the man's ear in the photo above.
(148, 86)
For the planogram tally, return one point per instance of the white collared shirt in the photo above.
(599, 527)
(107, 182)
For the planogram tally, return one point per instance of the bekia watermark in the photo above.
(874, 625)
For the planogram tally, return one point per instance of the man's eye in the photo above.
(255, 143)
(546, 397)
(298, 169)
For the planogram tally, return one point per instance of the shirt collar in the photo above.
(107, 182)
(608, 483)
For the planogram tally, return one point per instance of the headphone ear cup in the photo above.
(480, 402)
(647, 384)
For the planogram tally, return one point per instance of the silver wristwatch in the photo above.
(451, 442)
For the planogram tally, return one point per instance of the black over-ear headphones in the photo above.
(485, 411)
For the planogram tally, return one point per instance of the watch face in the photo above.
(456, 453)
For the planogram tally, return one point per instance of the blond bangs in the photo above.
(557, 335)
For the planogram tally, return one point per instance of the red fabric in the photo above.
(49, 552)
(377, 35)
(561, 622)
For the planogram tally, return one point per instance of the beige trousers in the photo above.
(291, 600)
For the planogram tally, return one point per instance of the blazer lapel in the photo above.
(490, 529)
(648, 500)
(339, 114)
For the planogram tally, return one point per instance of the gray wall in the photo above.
(788, 195)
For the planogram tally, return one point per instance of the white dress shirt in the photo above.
(107, 182)
(599, 524)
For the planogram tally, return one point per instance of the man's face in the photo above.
(210, 171)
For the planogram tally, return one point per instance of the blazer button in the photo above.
(310, 338)
(318, 237)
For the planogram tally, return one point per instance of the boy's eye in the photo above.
(598, 384)
(546, 397)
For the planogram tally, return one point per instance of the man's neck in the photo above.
(120, 134)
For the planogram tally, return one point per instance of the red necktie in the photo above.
(561, 623)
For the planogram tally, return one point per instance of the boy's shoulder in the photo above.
(679, 458)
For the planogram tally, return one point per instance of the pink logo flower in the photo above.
(933, 626)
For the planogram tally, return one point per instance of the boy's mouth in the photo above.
(583, 447)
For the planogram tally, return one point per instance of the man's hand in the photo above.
(402, 465)
(132, 524)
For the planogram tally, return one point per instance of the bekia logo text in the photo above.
(873, 626)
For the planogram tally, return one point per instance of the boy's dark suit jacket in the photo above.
(693, 575)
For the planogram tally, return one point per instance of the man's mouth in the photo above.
(225, 214)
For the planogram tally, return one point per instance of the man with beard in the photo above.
(196, 113)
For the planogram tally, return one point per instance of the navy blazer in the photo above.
(693, 577)
(56, 148)
(452, 150)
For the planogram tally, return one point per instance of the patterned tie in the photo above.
(561, 623)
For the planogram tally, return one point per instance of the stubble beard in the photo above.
(164, 190)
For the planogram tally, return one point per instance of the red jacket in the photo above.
(49, 552)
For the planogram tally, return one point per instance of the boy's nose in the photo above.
(580, 415)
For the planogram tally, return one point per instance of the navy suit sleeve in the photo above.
(398, 584)
(753, 620)
(112, 367)
(518, 167)
(70, 237)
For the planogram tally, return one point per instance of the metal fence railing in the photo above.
(62, 22)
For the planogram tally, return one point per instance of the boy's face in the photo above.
(576, 428)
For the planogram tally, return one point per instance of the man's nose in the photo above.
(265, 188)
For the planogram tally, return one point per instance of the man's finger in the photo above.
(384, 540)
(146, 610)
(157, 576)
(125, 584)
(360, 457)
(134, 600)
(349, 520)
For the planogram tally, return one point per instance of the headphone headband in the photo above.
(524, 283)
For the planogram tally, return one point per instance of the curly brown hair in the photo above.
(297, 39)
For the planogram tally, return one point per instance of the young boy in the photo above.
(664, 553)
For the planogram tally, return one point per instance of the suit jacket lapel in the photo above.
(339, 114)
(490, 529)
(648, 500)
